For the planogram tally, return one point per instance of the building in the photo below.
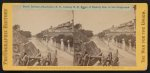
(124, 28)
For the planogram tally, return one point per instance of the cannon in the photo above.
(89, 54)
(31, 56)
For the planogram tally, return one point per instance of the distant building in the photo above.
(124, 28)
(64, 28)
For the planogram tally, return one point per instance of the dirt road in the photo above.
(64, 59)
(126, 59)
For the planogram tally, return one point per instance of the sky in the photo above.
(95, 20)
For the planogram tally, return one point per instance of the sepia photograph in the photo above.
(49, 37)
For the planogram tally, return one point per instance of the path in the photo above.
(126, 59)
(64, 59)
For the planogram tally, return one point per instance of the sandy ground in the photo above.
(64, 59)
(126, 59)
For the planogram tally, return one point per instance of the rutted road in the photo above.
(125, 58)
(64, 59)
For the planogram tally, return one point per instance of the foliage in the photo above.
(27, 34)
(61, 36)
(65, 39)
(77, 26)
(39, 35)
(87, 33)
(131, 37)
(102, 34)
(15, 27)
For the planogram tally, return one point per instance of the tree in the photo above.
(61, 36)
(77, 26)
(126, 37)
(101, 35)
(39, 35)
(27, 34)
(87, 33)
(70, 38)
(16, 27)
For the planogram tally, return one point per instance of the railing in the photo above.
(60, 46)
(122, 46)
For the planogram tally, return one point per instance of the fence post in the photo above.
(62, 44)
(123, 44)
(69, 46)
(130, 47)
